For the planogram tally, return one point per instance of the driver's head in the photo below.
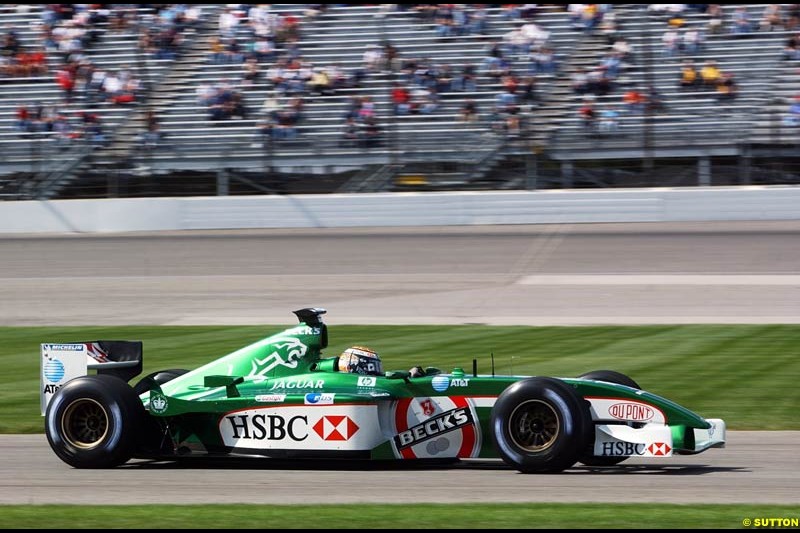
(360, 360)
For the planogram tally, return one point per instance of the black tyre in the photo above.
(92, 422)
(588, 458)
(611, 377)
(539, 425)
(147, 383)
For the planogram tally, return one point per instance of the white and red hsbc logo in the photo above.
(659, 448)
(627, 449)
(631, 411)
(335, 428)
(346, 427)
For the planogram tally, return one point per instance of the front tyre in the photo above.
(93, 421)
(539, 425)
(610, 376)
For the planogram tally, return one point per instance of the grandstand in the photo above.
(205, 120)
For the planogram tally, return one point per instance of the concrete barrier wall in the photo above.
(401, 209)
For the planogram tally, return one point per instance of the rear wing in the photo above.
(64, 362)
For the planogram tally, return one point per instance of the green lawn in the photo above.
(327, 517)
(746, 375)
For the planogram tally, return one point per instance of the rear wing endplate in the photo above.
(64, 362)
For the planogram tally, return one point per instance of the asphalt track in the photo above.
(743, 272)
(757, 467)
(559, 274)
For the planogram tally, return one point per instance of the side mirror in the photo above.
(229, 382)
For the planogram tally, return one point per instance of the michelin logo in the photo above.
(64, 347)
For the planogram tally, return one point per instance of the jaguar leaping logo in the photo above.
(287, 353)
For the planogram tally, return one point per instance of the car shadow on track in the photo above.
(350, 465)
(666, 470)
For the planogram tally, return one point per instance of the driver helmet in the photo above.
(360, 360)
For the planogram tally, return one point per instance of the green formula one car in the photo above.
(279, 397)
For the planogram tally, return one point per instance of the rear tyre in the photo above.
(148, 383)
(539, 425)
(588, 458)
(93, 421)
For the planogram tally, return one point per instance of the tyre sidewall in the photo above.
(573, 425)
(124, 418)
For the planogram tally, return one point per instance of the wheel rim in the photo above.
(85, 423)
(534, 426)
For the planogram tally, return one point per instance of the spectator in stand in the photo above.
(634, 101)
(443, 79)
(609, 28)
(24, 123)
(152, 133)
(715, 19)
(271, 106)
(444, 20)
(543, 61)
(320, 83)
(591, 15)
(252, 72)
(609, 120)
(510, 11)
(467, 80)
(33, 63)
(624, 49)
(469, 111)
(516, 43)
(726, 88)
(401, 99)
(792, 118)
(218, 55)
(228, 23)
(263, 49)
(315, 10)
(477, 20)
(772, 18)
(350, 134)
(428, 101)
(580, 81)
(792, 48)
(741, 22)
(587, 115)
(692, 40)
(65, 78)
(598, 83)
(370, 133)
(689, 76)
(793, 17)
(513, 125)
(710, 74)
(612, 64)
(372, 57)
(527, 91)
(391, 57)
(672, 41)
